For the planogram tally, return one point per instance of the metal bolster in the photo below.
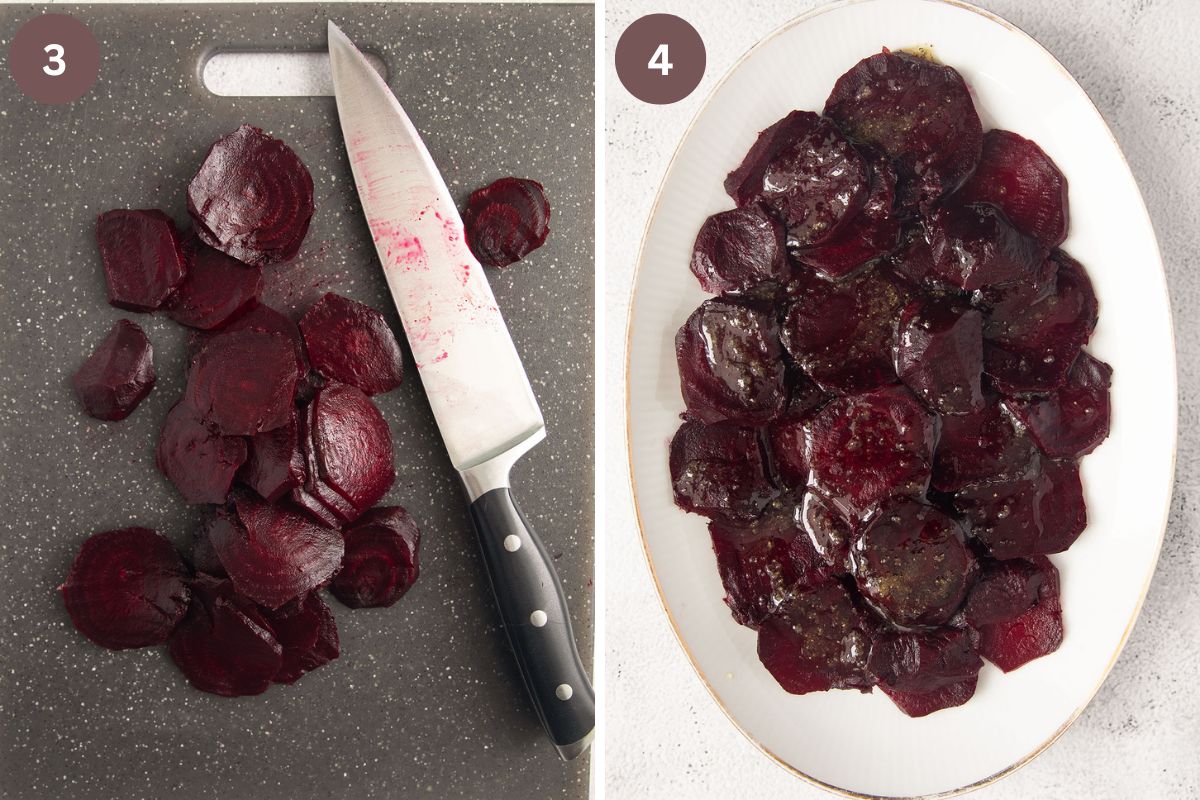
(485, 476)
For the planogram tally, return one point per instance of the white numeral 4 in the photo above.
(661, 60)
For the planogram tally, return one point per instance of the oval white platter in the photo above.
(858, 744)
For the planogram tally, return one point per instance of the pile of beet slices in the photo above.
(888, 399)
(276, 432)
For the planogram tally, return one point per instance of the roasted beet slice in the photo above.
(507, 220)
(919, 113)
(1073, 420)
(216, 290)
(1034, 632)
(1016, 175)
(939, 354)
(1040, 512)
(841, 334)
(975, 247)
(352, 444)
(718, 471)
(307, 633)
(1033, 349)
(912, 564)
(788, 460)
(252, 198)
(273, 554)
(867, 448)
(259, 318)
(225, 646)
(912, 259)
(314, 487)
(201, 464)
(317, 510)
(1008, 300)
(243, 381)
(924, 661)
(921, 704)
(1005, 590)
(738, 250)
(382, 560)
(818, 639)
(204, 556)
(984, 445)
(731, 362)
(126, 588)
(828, 533)
(143, 258)
(352, 343)
(118, 374)
(275, 462)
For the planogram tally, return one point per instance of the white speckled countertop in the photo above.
(1140, 737)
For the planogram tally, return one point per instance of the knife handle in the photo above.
(534, 612)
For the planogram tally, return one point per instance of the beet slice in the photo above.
(1017, 175)
(273, 554)
(1072, 421)
(201, 464)
(939, 354)
(117, 375)
(216, 290)
(786, 440)
(243, 381)
(259, 318)
(225, 646)
(126, 588)
(1033, 350)
(317, 510)
(975, 247)
(252, 198)
(143, 258)
(1034, 632)
(921, 662)
(352, 343)
(867, 448)
(1007, 301)
(817, 640)
(352, 444)
(1005, 590)
(922, 704)
(382, 560)
(828, 533)
(307, 633)
(739, 249)
(507, 220)
(275, 462)
(718, 471)
(204, 555)
(731, 362)
(314, 485)
(841, 334)
(919, 113)
(912, 564)
(984, 445)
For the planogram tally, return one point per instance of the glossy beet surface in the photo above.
(1014, 639)
(719, 471)
(739, 249)
(242, 382)
(979, 447)
(976, 247)
(217, 289)
(143, 258)
(382, 559)
(1073, 420)
(352, 343)
(200, 463)
(506, 221)
(117, 375)
(939, 354)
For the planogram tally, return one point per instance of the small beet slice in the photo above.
(352, 343)
(274, 463)
(785, 435)
(1072, 421)
(307, 633)
(117, 375)
(1036, 632)
(984, 445)
(352, 444)
(143, 258)
(507, 220)
(243, 381)
(939, 354)
(731, 362)
(739, 249)
(382, 560)
(1016, 175)
(1005, 590)
(204, 556)
(975, 247)
(924, 661)
(718, 471)
(259, 318)
(216, 290)
(201, 464)
(828, 533)
(867, 448)
(314, 486)
(126, 588)
(225, 646)
(922, 704)
(252, 198)
(817, 640)
(912, 564)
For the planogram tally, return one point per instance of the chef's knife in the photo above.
(481, 398)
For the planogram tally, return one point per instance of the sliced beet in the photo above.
(252, 198)
(1071, 421)
(275, 462)
(143, 258)
(352, 343)
(731, 362)
(216, 290)
(314, 486)
(1017, 175)
(1005, 590)
(316, 510)
(1035, 632)
(925, 661)
(243, 381)
(939, 354)
(718, 471)
(786, 440)
(382, 560)
(225, 646)
(1007, 301)
(828, 533)
(919, 113)
(507, 220)
(352, 444)
(259, 318)
(912, 564)
(201, 464)
(118, 374)
(204, 556)
(867, 448)
(975, 247)
(126, 588)
(921, 704)
(912, 259)
(739, 249)
(818, 639)
(984, 445)
(307, 633)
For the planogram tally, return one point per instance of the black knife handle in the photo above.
(534, 612)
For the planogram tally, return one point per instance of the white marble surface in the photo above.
(1140, 737)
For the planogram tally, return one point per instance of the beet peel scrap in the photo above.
(117, 375)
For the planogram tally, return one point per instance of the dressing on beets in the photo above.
(888, 400)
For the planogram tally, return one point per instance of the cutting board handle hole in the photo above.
(245, 73)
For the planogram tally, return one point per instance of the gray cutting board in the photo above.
(425, 700)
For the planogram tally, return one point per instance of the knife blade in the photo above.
(481, 399)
